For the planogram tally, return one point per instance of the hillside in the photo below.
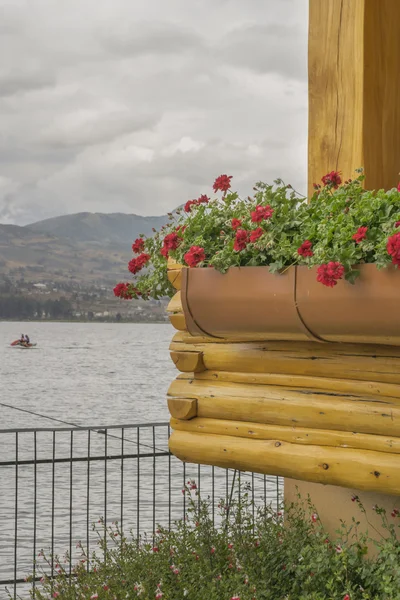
(114, 228)
(84, 248)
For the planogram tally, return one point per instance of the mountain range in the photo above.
(91, 248)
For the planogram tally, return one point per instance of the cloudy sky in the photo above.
(136, 106)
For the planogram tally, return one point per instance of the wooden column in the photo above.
(354, 121)
(354, 90)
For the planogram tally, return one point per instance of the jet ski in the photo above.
(19, 344)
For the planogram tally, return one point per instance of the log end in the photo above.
(182, 408)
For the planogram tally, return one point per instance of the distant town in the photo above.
(65, 268)
(21, 300)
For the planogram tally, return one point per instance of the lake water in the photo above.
(85, 373)
(89, 375)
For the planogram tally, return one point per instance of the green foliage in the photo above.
(329, 222)
(251, 555)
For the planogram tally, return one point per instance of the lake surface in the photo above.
(85, 373)
(90, 375)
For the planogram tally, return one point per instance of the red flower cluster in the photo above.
(203, 199)
(121, 290)
(330, 274)
(236, 223)
(137, 264)
(398, 187)
(333, 179)
(223, 183)
(138, 246)
(195, 256)
(262, 213)
(305, 249)
(241, 240)
(393, 248)
(171, 242)
(257, 233)
(360, 234)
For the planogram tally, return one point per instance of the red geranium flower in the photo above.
(397, 224)
(137, 264)
(257, 233)
(121, 290)
(360, 234)
(223, 183)
(172, 241)
(241, 240)
(261, 213)
(398, 187)
(333, 179)
(138, 246)
(305, 249)
(188, 205)
(329, 274)
(195, 255)
(393, 248)
(203, 199)
(236, 223)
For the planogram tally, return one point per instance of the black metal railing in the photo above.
(54, 483)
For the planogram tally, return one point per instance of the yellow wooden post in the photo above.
(354, 121)
(354, 90)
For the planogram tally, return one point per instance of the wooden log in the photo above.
(175, 304)
(297, 348)
(361, 469)
(175, 278)
(327, 384)
(344, 362)
(279, 406)
(188, 362)
(182, 408)
(173, 264)
(294, 435)
(177, 320)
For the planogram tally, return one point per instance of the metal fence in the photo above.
(54, 483)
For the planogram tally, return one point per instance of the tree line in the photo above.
(20, 307)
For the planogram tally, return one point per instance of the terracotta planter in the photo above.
(366, 312)
(250, 303)
(245, 303)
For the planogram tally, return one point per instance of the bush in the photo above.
(251, 554)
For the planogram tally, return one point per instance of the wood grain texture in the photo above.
(327, 384)
(354, 90)
(294, 435)
(360, 469)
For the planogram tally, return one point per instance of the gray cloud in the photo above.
(269, 48)
(116, 105)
